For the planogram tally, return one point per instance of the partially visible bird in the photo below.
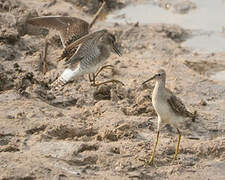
(169, 108)
(92, 52)
(70, 28)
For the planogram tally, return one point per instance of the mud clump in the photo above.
(6, 83)
(43, 94)
(123, 131)
(9, 36)
(102, 93)
(142, 104)
(19, 178)
(177, 6)
(173, 32)
(7, 5)
(184, 7)
(86, 147)
(119, 93)
(109, 135)
(63, 101)
(36, 129)
(8, 143)
(6, 79)
(8, 53)
(26, 80)
(5, 139)
(63, 132)
(9, 148)
(203, 67)
(87, 160)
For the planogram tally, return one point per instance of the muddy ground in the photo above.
(83, 132)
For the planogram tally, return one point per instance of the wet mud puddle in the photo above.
(218, 76)
(204, 18)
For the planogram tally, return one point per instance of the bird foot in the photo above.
(119, 82)
(172, 162)
(149, 162)
(106, 82)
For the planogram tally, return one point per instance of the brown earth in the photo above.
(82, 132)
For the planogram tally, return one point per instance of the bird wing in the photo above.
(87, 47)
(178, 107)
(70, 28)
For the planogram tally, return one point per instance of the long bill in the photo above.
(117, 50)
(153, 77)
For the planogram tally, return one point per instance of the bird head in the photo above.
(160, 75)
(110, 40)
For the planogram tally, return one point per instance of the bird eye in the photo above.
(159, 74)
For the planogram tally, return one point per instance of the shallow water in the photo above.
(213, 42)
(209, 16)
(218, 76)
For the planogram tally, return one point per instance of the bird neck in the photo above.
(160, 84)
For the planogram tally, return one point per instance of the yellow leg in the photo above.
(104, 67)
(151, 160)
(109, 81)
(43, 58)
(93, 77)
(177, 148)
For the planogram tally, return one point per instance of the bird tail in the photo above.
(68, 74)
(63, 55)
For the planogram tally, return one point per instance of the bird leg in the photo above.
(106, 82)
(93, 77)
(109, 81)
(177, 147)
(104, 67)
(151, 160)
(43, 58)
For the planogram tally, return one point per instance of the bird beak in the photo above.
(116, 50)
(153, 77)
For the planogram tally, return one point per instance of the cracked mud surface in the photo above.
(83, 132)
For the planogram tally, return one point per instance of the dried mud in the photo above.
(83, 132)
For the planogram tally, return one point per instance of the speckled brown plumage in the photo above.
(169, 109)
(93, 50)
(178, 107)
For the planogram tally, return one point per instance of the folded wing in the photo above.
(87, 47)
(178, 107)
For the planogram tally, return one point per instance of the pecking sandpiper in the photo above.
(69, 28)
(91, 53)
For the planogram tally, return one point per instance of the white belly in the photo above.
(91, 69)
(166, 114)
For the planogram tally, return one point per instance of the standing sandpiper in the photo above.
(70, 28)
(169, 109)
(92, 52)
